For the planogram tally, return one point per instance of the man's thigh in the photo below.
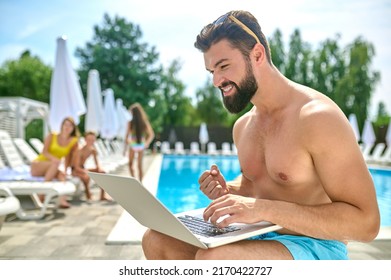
(247, 250)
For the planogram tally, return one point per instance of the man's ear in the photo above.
(259, 53)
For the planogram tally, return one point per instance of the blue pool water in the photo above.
(382, 180)
(178, 187)
(179, 191)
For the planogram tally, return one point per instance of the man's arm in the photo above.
(353, 213)
(94, 154)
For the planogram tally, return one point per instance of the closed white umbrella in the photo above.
(353, 123)
(109, 128)
(94, 114)
(368, 135)
(203, 136)
(172, 138)
(66, 98)
(388, 135)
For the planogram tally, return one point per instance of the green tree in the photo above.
(328, 67)
(382, 117)
(26, 77)
(209, 104)
(297, 61)
(382, 123)
(125, 64)
(169, 106)
(355, 88)
(277, 50)
(343, 74)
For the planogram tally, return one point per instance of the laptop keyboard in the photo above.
(201, 227)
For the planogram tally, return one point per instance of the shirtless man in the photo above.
(301, 166)
(79, 169)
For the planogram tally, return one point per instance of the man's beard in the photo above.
(244, 93)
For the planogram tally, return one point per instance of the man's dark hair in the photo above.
(234, 33)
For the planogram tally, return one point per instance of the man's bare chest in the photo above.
(274, 152)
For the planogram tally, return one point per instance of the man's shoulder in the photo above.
(321, 118)
(247, 115)
(242, 120)
(319, 107)
(88, 149)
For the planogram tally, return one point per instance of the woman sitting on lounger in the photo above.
(56, 147)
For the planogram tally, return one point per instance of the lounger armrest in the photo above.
(4, 191)
(8, 203)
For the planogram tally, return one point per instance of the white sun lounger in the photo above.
(37, 144)
(165, 147)
(25, 150)
(376, 154)
(17, 178)
(212, 149)
(195, 148)
(226, 149)
(8, 204)
(386, 157)
(179, 148)
(51, 190)
(366, 151)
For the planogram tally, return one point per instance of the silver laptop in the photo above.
(187, 226)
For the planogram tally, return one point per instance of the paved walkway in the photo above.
(79, 233)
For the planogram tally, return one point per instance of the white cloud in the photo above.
(35, 26)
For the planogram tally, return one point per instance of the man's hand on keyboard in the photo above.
(230, 209)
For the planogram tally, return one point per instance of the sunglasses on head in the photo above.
(223, 18)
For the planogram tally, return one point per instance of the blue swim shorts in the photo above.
(308, 248)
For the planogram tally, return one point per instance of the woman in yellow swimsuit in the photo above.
(56, 147)
(139, 136)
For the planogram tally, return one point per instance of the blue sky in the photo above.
(172, 25)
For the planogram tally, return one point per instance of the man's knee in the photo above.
(146, 239)
(151, 244)
(159, 246)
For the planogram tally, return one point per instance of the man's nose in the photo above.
(217, 80)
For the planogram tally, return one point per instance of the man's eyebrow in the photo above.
(217, 64)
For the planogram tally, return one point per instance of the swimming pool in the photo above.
(178, 187)
(382, 180)
(179, 191)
